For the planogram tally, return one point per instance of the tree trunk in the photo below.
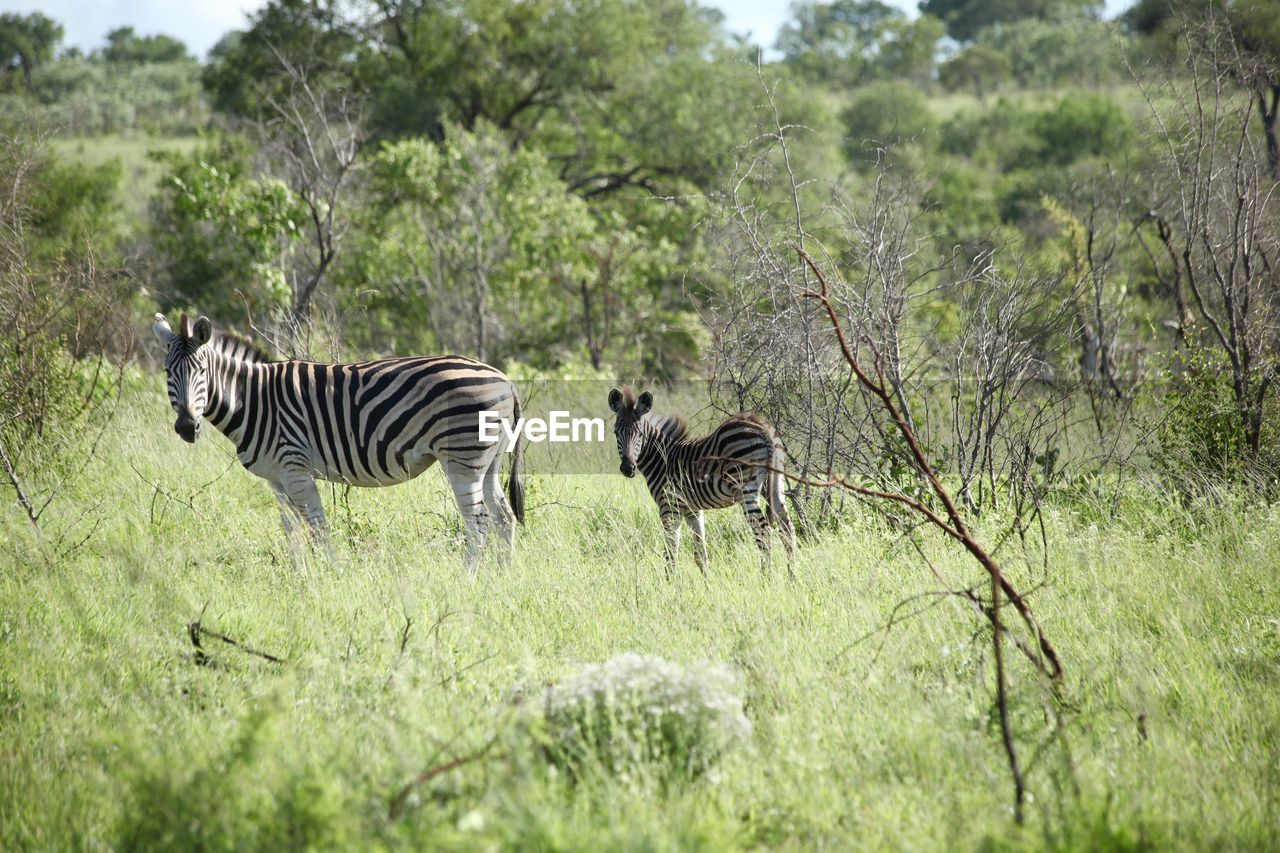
(593, 346)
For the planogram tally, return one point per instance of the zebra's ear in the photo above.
(644, 403)
(162, 330)
(202, 332)
(615, 400)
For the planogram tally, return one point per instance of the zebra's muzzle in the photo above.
(186, 428)
(627, 468)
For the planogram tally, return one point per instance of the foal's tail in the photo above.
(515, 481)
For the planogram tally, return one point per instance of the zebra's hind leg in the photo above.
(467, 483)
(778, 513)
(759, 525)
(698, 527)
(504, 519)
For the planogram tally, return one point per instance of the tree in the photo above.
(910, 48)
(1069, 51)
(887, 113)
(966, 18)
(1212, 207)
(26, 41)
(978, 67)
(223, 237)
(244, 73)
(471, 239)
(837, 41)
(618, 94)
(1242, 37)
(126, 46)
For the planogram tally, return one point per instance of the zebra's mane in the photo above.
(672, 427)
(239, 348)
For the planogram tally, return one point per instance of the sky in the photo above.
(200, 23)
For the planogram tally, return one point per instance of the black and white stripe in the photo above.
(373, 423)
(736, 464)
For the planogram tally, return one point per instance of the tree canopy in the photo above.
(966, 18)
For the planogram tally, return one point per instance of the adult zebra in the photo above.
(738, 461)
(372, 423)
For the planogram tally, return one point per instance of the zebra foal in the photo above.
(372, 423)
(737, 463)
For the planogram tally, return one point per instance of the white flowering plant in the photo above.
(644, 714)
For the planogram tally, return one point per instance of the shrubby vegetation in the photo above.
(1052, 237)
(643, 718)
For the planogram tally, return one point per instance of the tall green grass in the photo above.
(111, 735)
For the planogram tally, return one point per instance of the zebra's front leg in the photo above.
(298, 496)
(698, 527)
(671, 530)
(468, 490)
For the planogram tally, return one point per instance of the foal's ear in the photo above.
(644, 403)
(163, 333)
(615, 400)
(202, 332)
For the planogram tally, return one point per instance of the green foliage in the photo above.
(124, 46)
(1013, 135)
(203, 805)
(245, 72)
(849, 42)
(836, 41)
(1075, 50)
(1200, 443)
(58, 306)
(91, 97)
(620, 94)
(1077, 127)
(966, 18)
(221, 235)
(471, 246)
(26, 42)
(978, 67)
(887, 113)
(962, 202)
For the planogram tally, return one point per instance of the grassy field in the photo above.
(112, 736)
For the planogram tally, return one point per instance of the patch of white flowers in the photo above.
(637, 712)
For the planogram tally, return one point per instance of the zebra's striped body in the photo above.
(374, 423)
(738, 463)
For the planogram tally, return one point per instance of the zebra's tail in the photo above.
(777, 498)
(515, 479)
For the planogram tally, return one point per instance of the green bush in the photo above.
(886, 113)
(1201, 439)
(1080, 126)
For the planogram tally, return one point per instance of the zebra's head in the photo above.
(185, 367)
(630, 410)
